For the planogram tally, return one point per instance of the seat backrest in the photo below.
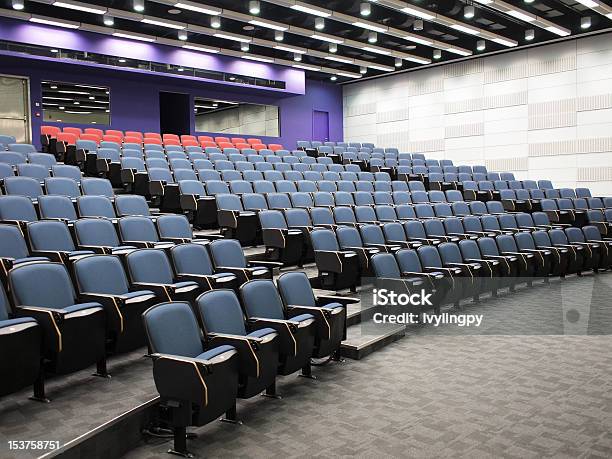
(220, 312)
(12, 242)
(450, 253)
(131, 204)
(95, 232)
(101, 274)
(372, 234)
(297, 217)
(50, 236)
(137, 229)
(63, 170)
(174, 226)
(541, 238)
(524, 240)
(56, 207)
(469, 249)
(53, 285)
(385, 266)
(194, 187)
(324, 239)
(506, 243)
(272, 219)
(172, 328)
(95, 206)
(227, 252)
(574, 235)
(591, 233)
(394, 232)
(191, 258)
(97, 186)
(22, 186)
(149, 265)
(261, 299)
(35, 171)
(429, 256)
(348, 236)
(408, 261)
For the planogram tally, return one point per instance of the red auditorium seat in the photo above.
(224, 145)
(241, 146)
(133, 134)
(254, 141)
(236, 140)
(130, 139)
(112, 138)
(190, 138)
(275, 146)
(205, 138)
(153, 135)
(222, 139)
(190, 143)
(114, 133)
(152, 141)
(73, 131)
(171, 141)
(205, 144)
(170, 137)
(67, 138)
(90, 136)
(50, 131)
(258, 147)
(96, 131)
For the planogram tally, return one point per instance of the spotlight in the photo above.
(418, 24)
(363, 70)
(18, 4)
(398, 61)
(108, 20)
(372, 37)
(215, 22)
(480, 45)
(297, 57)
(279, 35)
(139, 5)
(244, 47)
(437, 54)
(319, 23)
(333, 48)
(254, 7)
(468, 12)
(585, 22)
(333, 78)
(182, 35)
(529, 1)
(529, 34)
(365, 9)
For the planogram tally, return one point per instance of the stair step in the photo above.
(359, 344)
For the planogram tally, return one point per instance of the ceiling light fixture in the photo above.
(157, 22)
(307, 67)
(184, 4)
(138, 5)
(244, 47)
(289, 49)
(333, 48)
(585, 22)
(480, 45)
(57, 22)
(348, 75)
(365, 9)
(182, 35)
(319, 23)
(372, 37)
(215, 22)
(363, 70)
(297, 57)
(133, 37)
(257, 58)
(268, 24)
(310, 9)
(521, 15)
(398, 62)
(333, 77)
(18, 4)
(418, 13)
(469, 11)
(327, 38)
(254, 7)
(437, 54)
(557, 31)
(205, 49)
(369, 49)
(232, 37)
(505, 42)
(80, 7)
(368, 26)
(344, 60)
(417, 24)
(465, 29)
(108, 20)
(419, 40)
(279, 35)
(529, 34)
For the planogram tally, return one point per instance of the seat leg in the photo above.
(231, 416)
(271, 392)
(39, 389)
(180, 443)
(307, 372)
(101, 370)
(337, 356)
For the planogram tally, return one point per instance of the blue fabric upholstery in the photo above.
(295, 289)
(101, 274)
(301, 317)
(408, 261)
(348, 237)
(191, 259)
(96, 232)
(56, 207)
(12, 243)
(323, 239)
(23, 186)
(53, 285)
(95, 206)
(150, 265)
(261, 299)
(214, 352)
(221, 313)
(131, 205)
(174, 226)
(138, 229)
(385, 265)
(97, 187)
(272, 219)
(227, 252)
(172, 329)
(62, 186)
(50, 236)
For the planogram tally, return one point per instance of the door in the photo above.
(320, 125)
(174, 113)
(15, 108)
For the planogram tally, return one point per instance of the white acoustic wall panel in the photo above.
(544, 112)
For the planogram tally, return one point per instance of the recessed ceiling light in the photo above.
(297, 57)
(333, 48)
(521, 15)
(122, 61)
(369, 49)
(465, 29)
(279, 35)
(248, 28)
(244, 47)
(92, 98)
(174, 11)
(182, 35)
(187, 5)
(268, 24)
(368, 26)
(418, 13)
(398, 62)
(53, 50)
(333, 77)
(133, 37)
(157, 22)
(181, 69)
(310, 9)
(57, 22)
(232, 37)
(53, 87)
(327, 38)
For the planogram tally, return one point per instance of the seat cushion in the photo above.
(24, 320)
(333, 306)
(224, 277)
(80, 253)
(261, 332)
(302, 318)
(131, 295)
(215, 352)
(185, 285)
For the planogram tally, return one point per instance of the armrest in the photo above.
(96, 248)
(519, 254)
(139, 244)
(112, 305)
(246, 346)
(331, 260)
(49, 320)
(175, 240)
(343, 300)
(266, 264)
(285, 329)
(450, 271)
(162, 291)
(385, 247)
(321, 316)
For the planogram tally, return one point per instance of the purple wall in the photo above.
(135, 97)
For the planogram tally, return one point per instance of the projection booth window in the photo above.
(75, 103)
(240, 118)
